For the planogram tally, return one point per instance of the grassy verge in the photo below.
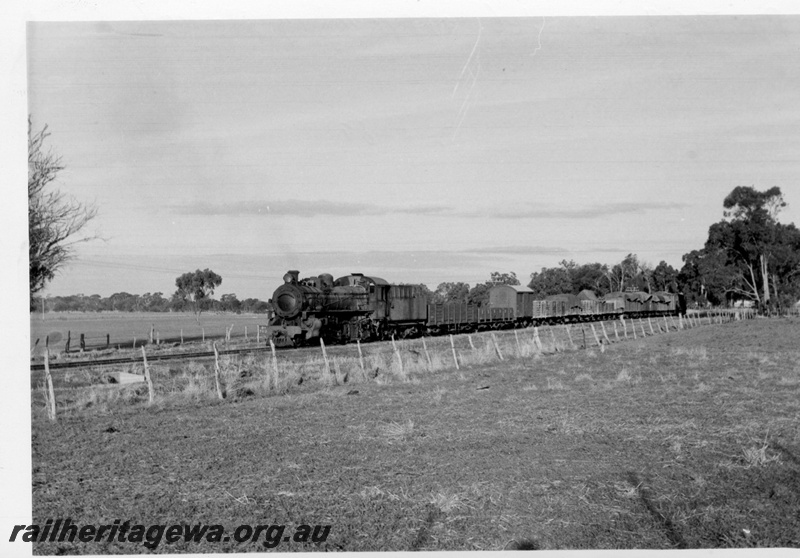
(685, 440)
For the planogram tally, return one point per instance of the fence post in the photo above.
(424, 348)
(569, 336)
(624, 329)
(553, 337)
(536, 338)
(361, 355)
(516, 340)
(338, 372)
(325, 356)
(181, 336)
(83, 342)
(641, 324)
(496, 346)
(397, 353)
(650, 323)
(220, 395)
(134, 341)
(69, 338)
(453, 347)
(471, 344)
(274, 364)
(147, 378)
(603, 327)
(51, 394)
(152, 332)
(204, 335)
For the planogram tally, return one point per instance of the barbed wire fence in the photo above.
(276, 371)
(76, 342)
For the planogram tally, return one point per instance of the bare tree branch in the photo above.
(54, 219)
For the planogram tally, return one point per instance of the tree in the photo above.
(550, 281)
(592, 276)
(197, 287)
(229, 303)
(255, 305)
(623, 274)
(748, 254)
(745, 203)
(479, 294)
(504, 278)
(451, 292)
(748, 236)
(664, 277)
(54, 219)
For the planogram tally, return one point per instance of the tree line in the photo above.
(148, 302)
(749, 256)
(569, 277)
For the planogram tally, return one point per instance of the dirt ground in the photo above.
(689, 439)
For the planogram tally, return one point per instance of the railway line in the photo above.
(140, 360)
(196, 355)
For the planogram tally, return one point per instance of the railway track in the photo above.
(139, 360)
(194, 355)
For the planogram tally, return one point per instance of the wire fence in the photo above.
(75, 341)
(384, 361)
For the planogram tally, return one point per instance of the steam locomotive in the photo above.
(366, 308)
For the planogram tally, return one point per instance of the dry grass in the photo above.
(658, 443)
(757, 456)
(396, 432)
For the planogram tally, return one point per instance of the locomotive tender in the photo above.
(358, 307)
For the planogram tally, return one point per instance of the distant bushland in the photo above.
(148, 302)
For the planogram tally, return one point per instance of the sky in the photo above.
(420, 150)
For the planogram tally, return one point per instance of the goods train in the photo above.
(358, 307)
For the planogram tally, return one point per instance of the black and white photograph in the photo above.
(425, 277)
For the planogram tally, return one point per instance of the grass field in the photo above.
(122, 327)
(683, 440)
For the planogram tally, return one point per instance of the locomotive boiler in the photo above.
(351, 307)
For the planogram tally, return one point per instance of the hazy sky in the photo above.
(417, 150)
